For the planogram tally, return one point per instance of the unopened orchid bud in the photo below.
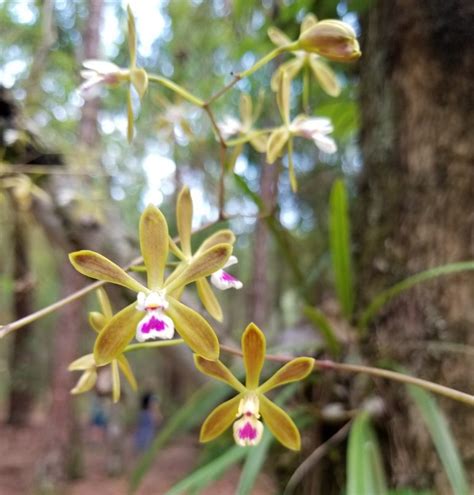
(335, 40)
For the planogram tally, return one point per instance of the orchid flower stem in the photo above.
(177, 89)
(247, 137)
(150, 345)
(324, 365)
(258, 65)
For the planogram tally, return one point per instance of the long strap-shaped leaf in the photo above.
(365, 473)
(339, 240)
(442, 438)
(383, 297)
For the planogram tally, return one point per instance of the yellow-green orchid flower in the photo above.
(104, 72)
(231, 126)
(315, 128)
(245, 409)
(159, 298)
(303, 60)
(220, 278)
(87, 363)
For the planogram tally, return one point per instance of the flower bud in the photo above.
(335, 40)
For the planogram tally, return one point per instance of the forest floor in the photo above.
(21, 450)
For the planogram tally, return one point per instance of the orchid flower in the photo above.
(330, 38)
(103, 72)
(316, 129)
(159, 299)
(323, 74)
(250, 404)
(231, 126)
(219, 278)
(87, 363)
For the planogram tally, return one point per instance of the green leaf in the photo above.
(365, 473)
(339, 232)
(187, 416)
(319, 320)
(385, 296)
(442, 439)
(209, 472)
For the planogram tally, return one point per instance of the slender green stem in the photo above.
(150, 345)
(247, 137)
(322, 365)
(177, 89)
(258, 65)
(268, 58)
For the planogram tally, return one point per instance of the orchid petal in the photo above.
(291, 68)
(184, 218)
(278, 37)
(223, 281)
(132, 37)
(280, 424)
(154, 245)
(97, 321)
(94, 265)
(259, 143)
(325, 76)
(202, 264)
(194, 329)
(116, 335)
(86, 382)
(253, 348)
(223, 236)
(130, 117)
(219, 371)
(115, 382)
(276, 142)
(291, 166)
(246, 110)
(83, 363)
(139, 80)
(297, 369)
(219, 420)
(283, 97)
(325, 143)
(102, 67)
(208, 299)
(104, 303)
(248, 431)
(308, 22)
(127, 371)
(155, 325)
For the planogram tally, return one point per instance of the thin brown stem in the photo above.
(326, 365)
(315, 457)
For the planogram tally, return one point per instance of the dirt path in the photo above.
(20, 450)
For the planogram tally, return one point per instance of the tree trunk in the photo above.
(22, 357)
(259, 292)
(416, 210)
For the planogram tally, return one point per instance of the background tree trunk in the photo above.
(417, 209)
(259, 298)
(22, 356)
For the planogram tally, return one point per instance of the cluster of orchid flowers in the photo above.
(158, 311)
(318, 40)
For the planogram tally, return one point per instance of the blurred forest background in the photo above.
(69, 180)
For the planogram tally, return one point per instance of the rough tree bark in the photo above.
(259, 291)
(417, 210)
